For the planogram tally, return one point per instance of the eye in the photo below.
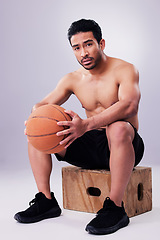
(89, 44)
(76, 48)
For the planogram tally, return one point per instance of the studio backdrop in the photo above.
(35, 54)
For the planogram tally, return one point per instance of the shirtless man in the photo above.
(108, 89)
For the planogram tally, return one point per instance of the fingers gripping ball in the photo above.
(42, 127)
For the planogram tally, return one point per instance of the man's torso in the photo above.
(97, 93)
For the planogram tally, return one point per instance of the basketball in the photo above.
(42, 127)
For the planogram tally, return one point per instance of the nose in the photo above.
(84, 53)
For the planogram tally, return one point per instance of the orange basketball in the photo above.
(42, 127)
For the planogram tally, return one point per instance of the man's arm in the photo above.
(59, 95)
(126, 107)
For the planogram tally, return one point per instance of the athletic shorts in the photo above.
(91, 150)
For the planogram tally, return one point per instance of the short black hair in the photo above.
(85, 25)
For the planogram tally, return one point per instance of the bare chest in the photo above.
(96, 95)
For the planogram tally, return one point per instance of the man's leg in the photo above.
(45, 204)
(122, 158)
(41, 164)
(113, 216)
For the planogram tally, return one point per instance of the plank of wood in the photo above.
(86, 190)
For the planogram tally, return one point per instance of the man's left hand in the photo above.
(76, 128)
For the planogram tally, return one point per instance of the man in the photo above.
(107, 139)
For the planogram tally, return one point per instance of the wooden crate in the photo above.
(85, 190)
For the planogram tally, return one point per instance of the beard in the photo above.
(93, 64)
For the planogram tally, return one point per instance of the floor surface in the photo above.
(17, 188)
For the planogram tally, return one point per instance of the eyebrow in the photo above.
(76, 45)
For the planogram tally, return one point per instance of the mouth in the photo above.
(86, 61)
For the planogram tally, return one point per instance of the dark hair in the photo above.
(85, 25)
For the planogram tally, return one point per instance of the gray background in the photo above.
(35, 54)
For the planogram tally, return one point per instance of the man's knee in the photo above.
(119, 132)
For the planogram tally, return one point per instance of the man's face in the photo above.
(86, 49)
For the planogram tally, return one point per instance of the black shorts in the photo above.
(91, 150)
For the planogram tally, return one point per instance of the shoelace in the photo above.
(37, 197)
(33, 202)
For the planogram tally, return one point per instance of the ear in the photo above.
(102, 44)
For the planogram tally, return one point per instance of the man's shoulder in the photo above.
(124, 68)
(124, 71)
(120, 64)
(70, 80)
(73, 75)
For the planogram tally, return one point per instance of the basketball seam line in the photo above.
(41, 135)
(64, 127)
(60, 112)
(46, 118)
(51, 148)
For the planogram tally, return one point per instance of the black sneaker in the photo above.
(109, 219)
(40, 208)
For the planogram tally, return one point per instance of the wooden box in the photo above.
(85, 190)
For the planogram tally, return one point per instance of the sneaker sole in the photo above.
(102, 231)
(49, 214)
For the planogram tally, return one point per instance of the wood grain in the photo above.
(80, 187)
